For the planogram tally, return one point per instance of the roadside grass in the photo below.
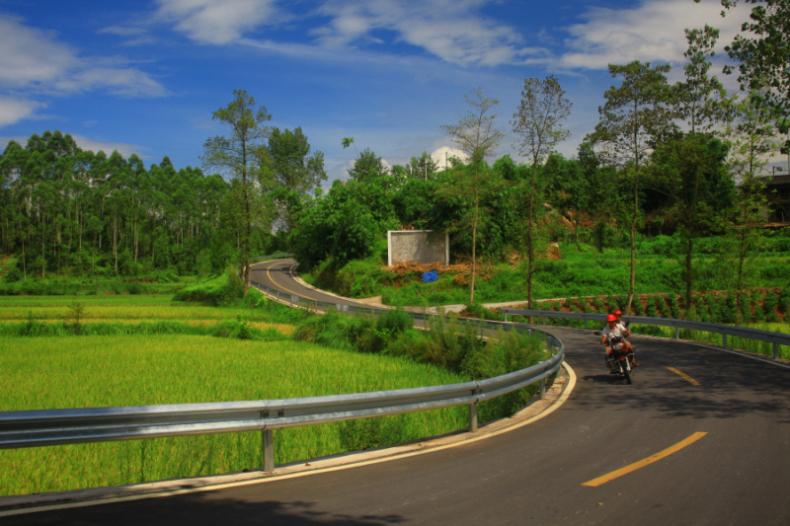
(96, 371)
(581, 271)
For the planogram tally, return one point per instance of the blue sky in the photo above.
(145, 76)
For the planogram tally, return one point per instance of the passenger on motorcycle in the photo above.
(614, 337)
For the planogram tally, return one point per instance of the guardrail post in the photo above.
(268, 450)
(724, 340)
(776, 350)
(473, 417)
(677, 333)
(543, 389)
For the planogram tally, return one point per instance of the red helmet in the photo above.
(618, 313)
(611, 317)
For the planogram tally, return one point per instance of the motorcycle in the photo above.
(623, 359)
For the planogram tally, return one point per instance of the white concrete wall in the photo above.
(418, 246)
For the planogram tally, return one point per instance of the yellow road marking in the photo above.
(603, 479)
(271, 278)
(396, 453)
(683, 375)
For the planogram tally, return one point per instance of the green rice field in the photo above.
(95, 371)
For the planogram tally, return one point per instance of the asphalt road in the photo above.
(738, 473)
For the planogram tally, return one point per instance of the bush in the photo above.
(236, 329)
(393, 322)
(784, 301)
(221, 290)
(770, 305)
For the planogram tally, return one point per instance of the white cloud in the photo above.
(443, 155)
(452, 30)
(449, 29)
(133, 35)
(29, 55)
(212, 22)
(14, 110)
(652, 31)
(35, 60)
(127, 82)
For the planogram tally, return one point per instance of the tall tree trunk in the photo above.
(24, 259)
(688, 276)
(632, 235)
(530, 243)
(474, 249)
(43, 249)
(245, 257)
(115, 242)
(136, 240)
(741, 257)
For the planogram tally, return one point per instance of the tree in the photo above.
(367, 167)
(423, 167)
(634, 118)
(762, 51)
(538, 121)
(291, 171)
(475, 134)
(752, 140)
(693, 169)
(236, 155)
(700, 99)
(337, 226)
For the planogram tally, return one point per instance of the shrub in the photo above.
(236, 329)
(770, 305)
(730, 310)
(784, 301)
(674, 309)
(221, 290)
(757, 306)
(394, 322)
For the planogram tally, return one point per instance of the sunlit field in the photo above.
(95, 371)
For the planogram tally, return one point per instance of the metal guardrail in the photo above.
(774, 338)
(69, 426)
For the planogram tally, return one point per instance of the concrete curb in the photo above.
(556, 396)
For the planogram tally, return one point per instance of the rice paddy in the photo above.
(70, 370)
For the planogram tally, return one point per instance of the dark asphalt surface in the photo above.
(738, 474)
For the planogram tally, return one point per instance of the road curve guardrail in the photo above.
(21, 429)
(774, 338)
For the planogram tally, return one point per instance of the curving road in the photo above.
(737, 472)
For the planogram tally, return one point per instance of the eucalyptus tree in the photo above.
(476, 135)
(635, 116)
(538, 122)
(237, 153)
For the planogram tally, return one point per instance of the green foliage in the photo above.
(78, 213)
(224, 289)
(341, 226)
(476, 310)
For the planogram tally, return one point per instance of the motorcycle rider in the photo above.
(629, 348)
(615, 333)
